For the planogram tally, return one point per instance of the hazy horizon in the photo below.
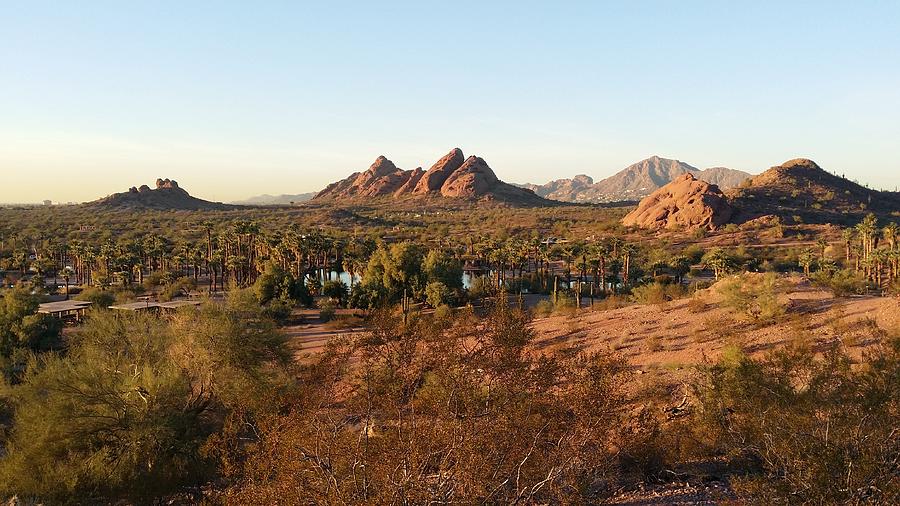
(235, 102)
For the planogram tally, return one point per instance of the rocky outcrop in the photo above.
(433, 180)
(686, 203)
(453, 176)
(166, 196)
(166, 183)
(472, 179)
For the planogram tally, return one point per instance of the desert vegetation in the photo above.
(543, 363)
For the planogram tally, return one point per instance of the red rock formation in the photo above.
(434, 179)
(474, 178)
(686, 202)
(451, 176)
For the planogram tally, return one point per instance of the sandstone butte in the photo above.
(686, 203)
(453, 176)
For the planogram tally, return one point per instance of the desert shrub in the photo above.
(99, 298)
(753, 295)
(326, 312)
(125, 411)
(809, 431)
(654, 344)
(564, 303)
(611, 302)
(657, 293)
(543, 308)
(472, 420)
(443, 312)
(279, 310)
(841, 283)
(437, 294)
(176, 288)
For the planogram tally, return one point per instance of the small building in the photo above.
(175, 305)
(145, 305)
(65, 309)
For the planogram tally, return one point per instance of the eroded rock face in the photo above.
(451, 176)
(474, 178)
(437, 175)
(686, 202)
(166, 183)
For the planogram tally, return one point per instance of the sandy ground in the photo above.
(685, 332)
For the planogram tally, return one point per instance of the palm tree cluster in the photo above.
(235, 253)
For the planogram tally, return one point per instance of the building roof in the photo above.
(62, 306)
(135, 306)
(175, 304)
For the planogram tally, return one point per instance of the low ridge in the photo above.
(167, 195)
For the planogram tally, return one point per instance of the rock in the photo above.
(452, 176)
(166, 196)
(166, 183)
(474, 178)
(437, 175)
(411, 183)
(685, 202)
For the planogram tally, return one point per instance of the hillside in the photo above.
(634, 182)
(276, 200)
(453, 176)
(166, 196)
(800, 190)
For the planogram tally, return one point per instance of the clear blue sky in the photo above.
(236, 99)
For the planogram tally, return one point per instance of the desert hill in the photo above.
(634, 182)
(453, 176)
(800, 189)
(275, 200)
(166, 196)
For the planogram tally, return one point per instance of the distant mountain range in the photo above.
(166, 196)
(453, 176)
(276, 200)
(634, 182)
(797, 191)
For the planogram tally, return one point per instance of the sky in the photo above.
(235, 99)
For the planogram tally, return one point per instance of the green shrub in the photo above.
(841, 283)
(753, 295)
(326, 312)
(437, 294)
(806, 430)
(99, 298)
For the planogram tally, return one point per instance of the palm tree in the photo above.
(806, 260)
(67, 274)
(847, 236)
